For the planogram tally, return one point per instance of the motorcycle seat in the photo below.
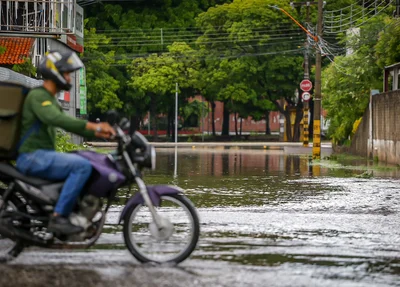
(11, 171)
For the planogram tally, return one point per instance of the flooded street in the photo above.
(268, 218)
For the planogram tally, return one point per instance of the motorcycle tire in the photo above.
(165, 207)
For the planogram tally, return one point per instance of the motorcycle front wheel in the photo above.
(173, 241)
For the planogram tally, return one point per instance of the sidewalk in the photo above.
(282, 145)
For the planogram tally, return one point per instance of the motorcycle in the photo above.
(160, 224)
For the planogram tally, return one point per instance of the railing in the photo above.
(37, 17)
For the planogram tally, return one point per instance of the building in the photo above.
(391, 78)
(29, 29)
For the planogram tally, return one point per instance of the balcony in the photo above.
(37, 18)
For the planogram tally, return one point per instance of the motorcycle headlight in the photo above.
(142, 153)
(146, 158)
(150, 158)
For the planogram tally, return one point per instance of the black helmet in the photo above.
(55, 64)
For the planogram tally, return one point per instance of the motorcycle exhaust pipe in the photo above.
(9, 231)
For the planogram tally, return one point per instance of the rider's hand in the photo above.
(104, 130)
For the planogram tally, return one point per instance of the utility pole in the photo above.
(307, 77)
(306, 70)
(176, 114)
(317, 97)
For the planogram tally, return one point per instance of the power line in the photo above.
(351, 15)
(135, 44)
(194, 34)
(190, 29)
(282, 25)
(198, 42)
(339, 28)
(293, 42)
(177, 38)
(222, 57)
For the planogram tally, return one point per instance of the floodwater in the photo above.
(268, 218)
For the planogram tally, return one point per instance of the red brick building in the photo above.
(248, 125)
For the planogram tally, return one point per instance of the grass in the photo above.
(354, 162)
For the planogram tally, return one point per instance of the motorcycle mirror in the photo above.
(112, 117)
(124, 124)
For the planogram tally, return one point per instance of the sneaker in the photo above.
(60, 224)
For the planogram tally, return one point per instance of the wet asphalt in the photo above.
(267, 219)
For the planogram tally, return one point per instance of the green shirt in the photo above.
(41, 105)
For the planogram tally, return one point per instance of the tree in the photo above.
(388, 47)
(348, 81)
(101, 86)
(155, 77)
(249, 33)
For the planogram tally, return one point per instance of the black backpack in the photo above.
(12, 98)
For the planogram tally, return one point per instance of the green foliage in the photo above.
(388, 46)
(347, 82)
(64, 144)
(257, 69)
(196, 108)
(235, 55)
(101, 85)
(26, 68)
(2, 50)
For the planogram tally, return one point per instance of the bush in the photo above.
(64, 144)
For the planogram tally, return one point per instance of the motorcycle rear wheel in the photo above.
(9, 249)
(149, 244)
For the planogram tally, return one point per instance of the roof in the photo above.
(17, 49)
(392, 67)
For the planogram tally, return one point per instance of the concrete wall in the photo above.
(379, 132)
(359, 143)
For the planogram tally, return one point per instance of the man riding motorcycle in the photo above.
(40, 117)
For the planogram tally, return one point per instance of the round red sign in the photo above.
(306, 85)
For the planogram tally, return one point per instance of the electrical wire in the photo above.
(285, 43)
(177, 38)
(195, 34)
(154, 43)
(221, 57)
(189, 29)
(351, 15)
(346, 25)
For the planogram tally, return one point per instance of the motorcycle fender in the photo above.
(155, 192)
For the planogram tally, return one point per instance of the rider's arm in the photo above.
(50, 114)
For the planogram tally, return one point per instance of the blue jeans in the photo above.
(51, 165)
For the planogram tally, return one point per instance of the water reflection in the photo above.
(229, 162)
(233, 161)
(287, 214)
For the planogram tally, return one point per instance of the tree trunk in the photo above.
(153, 111)
(213, 118)
(236, 127)
(267, 124)
(299, 117)
(288, 126)
(225, 122)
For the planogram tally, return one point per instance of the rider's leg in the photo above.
(51, 165)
